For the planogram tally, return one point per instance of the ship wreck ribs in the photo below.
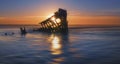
(60, 25)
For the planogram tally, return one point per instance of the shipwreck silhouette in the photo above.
(56, 23)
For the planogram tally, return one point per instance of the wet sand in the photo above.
(79, 46)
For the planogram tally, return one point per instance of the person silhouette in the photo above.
(23, 30)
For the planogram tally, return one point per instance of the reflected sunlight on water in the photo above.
(55, 45)
(79, 46)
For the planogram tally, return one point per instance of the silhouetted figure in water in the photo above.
(23, 30)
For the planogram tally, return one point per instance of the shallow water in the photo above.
(79, 46)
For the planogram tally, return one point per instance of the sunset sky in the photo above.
(80, 12)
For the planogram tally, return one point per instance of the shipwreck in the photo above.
(56, 23)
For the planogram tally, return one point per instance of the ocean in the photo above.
(82, 45)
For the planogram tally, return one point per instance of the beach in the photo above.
(94, 45)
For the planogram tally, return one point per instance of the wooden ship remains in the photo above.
(56, 23)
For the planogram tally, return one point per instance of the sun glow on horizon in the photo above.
(58, 20)
(50, 15)
(53, 18)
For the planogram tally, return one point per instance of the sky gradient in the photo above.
(80, 12)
